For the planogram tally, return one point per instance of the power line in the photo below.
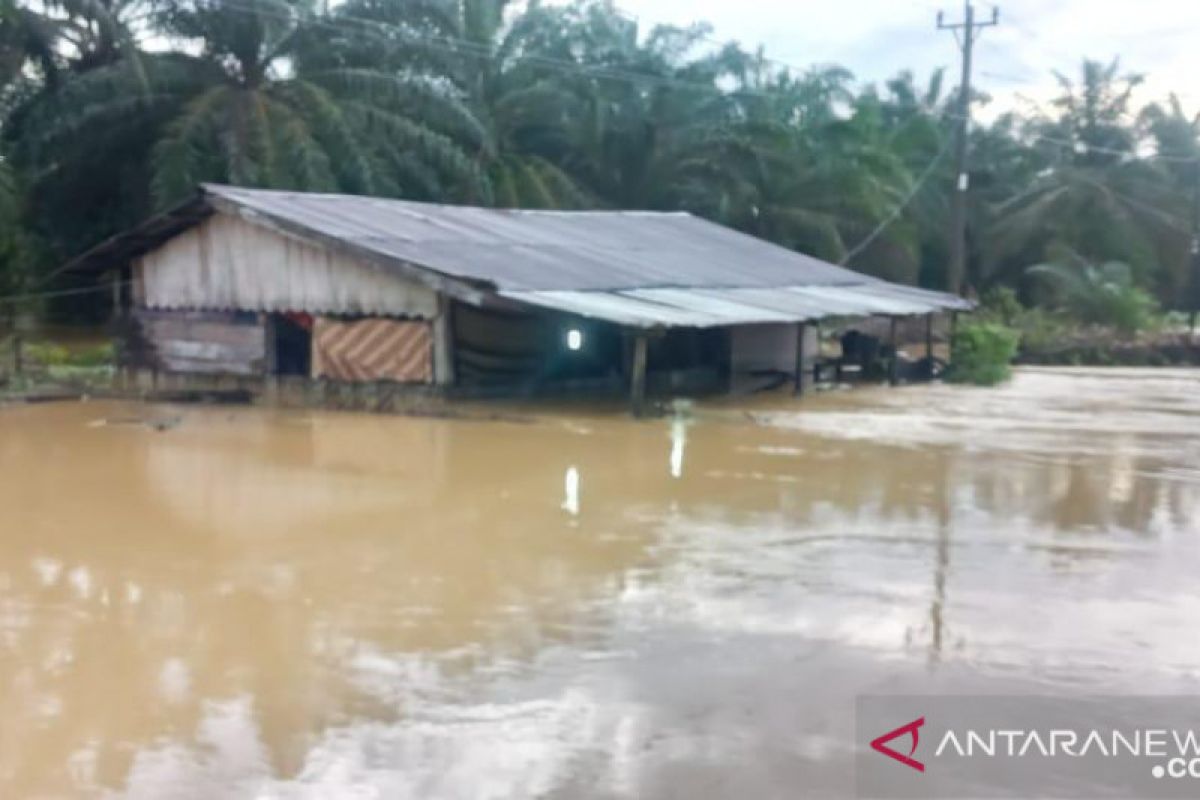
(904, 204)
(457, 46)
(783, 65)
(1007, 78)
(1081, 148)
(617, 74)
(466, 47)
(26, 298)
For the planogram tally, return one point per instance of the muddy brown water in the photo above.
(261, 604)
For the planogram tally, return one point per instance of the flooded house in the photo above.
(285, 293)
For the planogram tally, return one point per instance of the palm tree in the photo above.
(1091, 194)
(28, 53)
(245, 108)
(100, 32)
(824, 172)
(771, 155)
(1005, 166)
(1101, 294)
(1176, 135)
(913, 128)
(655, 128)
(26, 36)
(504, 72)
(263, 112)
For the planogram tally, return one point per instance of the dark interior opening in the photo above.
(508, 351)
(292, 344)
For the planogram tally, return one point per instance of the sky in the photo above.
(1159, 39)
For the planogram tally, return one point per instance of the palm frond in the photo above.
(439, 151)
(187, 145)
(303, 163)
(413, 96)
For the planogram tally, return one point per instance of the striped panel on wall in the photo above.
(373, 350)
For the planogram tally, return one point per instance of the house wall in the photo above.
(227, 263)
(760, 349)
(201, 342)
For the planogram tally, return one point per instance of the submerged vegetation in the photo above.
(983, 354)
(42, 369)
(110, 110)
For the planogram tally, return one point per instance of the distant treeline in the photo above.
(111, 109)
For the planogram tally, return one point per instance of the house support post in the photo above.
(929, 344)
(637, 376)
(801, 361)
(270, 348)
(443, 343)
(117, 308)
(953, 333)
(894, 364)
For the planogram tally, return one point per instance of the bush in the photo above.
(1001, 303)
(1104, 295)
(983, 354)
(100, 355)
(50, 354)
(1042, 331)
(47, 354)
(1129, 309)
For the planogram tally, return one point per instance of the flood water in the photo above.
(243, 603)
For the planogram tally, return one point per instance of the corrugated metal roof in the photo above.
(521, 250)
(705, 308)
(634, 268)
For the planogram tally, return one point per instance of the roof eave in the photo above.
(116, 251)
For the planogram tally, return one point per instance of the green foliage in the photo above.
(572, 105)
(1002, 303)
(46, 354)
(100, 355)
(51, 355)
(983, 354)
(1103, 294)
(1042, 331)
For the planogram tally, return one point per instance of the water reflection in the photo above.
(571, 491)
(678, 442)
(292, 605)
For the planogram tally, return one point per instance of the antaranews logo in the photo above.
(1015, 747)
(912, 729)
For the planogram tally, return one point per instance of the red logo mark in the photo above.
(913, 728)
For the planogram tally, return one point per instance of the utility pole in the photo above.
(1193, 288)
(962, 179)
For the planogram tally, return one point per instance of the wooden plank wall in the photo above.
(227, 262)
(205, 342)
